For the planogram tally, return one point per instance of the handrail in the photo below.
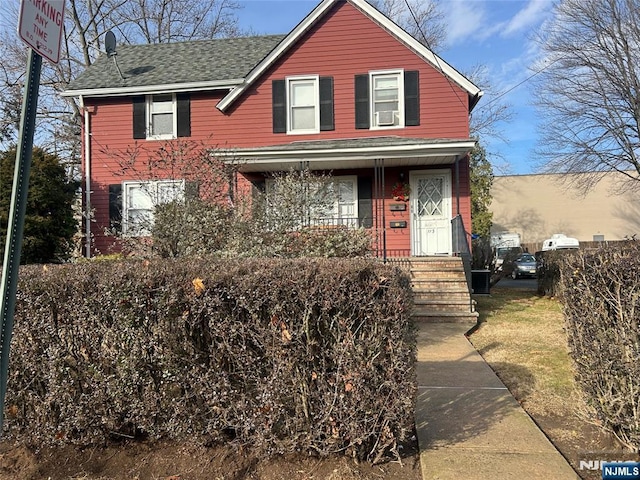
(461, 247)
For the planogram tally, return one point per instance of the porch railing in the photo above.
(375, 229)
(461, 246)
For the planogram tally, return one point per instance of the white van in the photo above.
(560, 241)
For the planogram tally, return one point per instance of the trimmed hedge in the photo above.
(548, 271)
(600, 293)
(277, 355)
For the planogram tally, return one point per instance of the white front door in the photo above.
(431, 213)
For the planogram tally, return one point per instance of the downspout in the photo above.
(87, 177)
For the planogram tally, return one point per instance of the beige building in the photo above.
(537, 206)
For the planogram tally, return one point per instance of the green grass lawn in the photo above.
(523, 339)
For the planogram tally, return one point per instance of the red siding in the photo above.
(332, 49)
(329, 49)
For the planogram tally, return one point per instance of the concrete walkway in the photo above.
(469, 425)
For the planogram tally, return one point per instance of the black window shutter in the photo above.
(139, 118)
(279, 95)
(326, 104)
(260, 186)
(365, 202)
(192, 190)
(411, 98)
(184, 114)
(115, 208)
(362, 101)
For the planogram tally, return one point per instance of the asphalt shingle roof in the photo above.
(175, 63)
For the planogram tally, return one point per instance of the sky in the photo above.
(494, 33)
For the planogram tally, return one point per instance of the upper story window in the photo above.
(140, 200)
(303, 104)
(387, 99)
(161, 117)
(387, 106)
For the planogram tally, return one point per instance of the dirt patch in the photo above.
(169, 461)
(583, 444)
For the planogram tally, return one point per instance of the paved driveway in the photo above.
(524, 283)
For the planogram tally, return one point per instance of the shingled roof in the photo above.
(233, 64)
(196, 64)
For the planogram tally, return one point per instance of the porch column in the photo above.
(378, 202)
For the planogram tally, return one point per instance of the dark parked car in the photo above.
(524, 266)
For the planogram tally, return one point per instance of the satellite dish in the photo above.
(110, 43)
(110, 46)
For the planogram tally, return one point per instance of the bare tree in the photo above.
(166, 21)
(86, 22)
(487, 116)
(423, 20)
(589, 90)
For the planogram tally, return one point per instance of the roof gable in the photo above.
(371, 12)
(232, 64)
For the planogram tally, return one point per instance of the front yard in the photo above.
(524, 341)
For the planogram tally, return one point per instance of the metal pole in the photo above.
(384, 217)
(13, 244)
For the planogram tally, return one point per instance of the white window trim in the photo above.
(400, 74)
(153, 189)
(316, 106)
(174, 111)
(352, 178)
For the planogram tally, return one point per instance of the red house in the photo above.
(346, 91)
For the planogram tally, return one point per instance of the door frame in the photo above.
(413, 176)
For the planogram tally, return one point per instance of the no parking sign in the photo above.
(40, 26)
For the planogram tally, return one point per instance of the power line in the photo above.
(437, 59)
(509, 90)
(495, 99)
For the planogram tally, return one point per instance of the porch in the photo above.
(408, 192)
(411, 194)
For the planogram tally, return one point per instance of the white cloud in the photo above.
(529, 16)
(464, 20)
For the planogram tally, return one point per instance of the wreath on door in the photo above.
(400, 192)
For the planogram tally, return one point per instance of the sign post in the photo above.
(41, 23)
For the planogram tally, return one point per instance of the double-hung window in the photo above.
(162, 116)
(331, 201)
(387, 99)
(387, 107)
(140, 200)
(337, 202)
(303, 105)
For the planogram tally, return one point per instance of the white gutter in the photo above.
(155, 89)
(87, 176)
(255, 156)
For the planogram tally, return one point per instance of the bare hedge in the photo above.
(548, 271)
(600, 292)
(277, 355)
